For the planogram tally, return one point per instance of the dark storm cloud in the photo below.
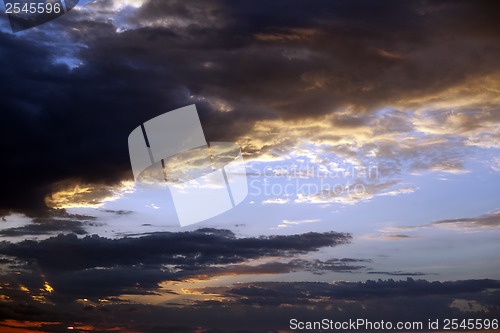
(93, 283)
(310, 292)
(312, 57)
(94, 266)
(265, 60)
(145, 279)
(253, 307)
(97, 266)
(185, 250)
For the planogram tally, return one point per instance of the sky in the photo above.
(370, 133)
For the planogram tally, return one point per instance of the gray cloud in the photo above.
(269, 306)
(491, 220)
(183, 249)
(53, 223)
(486, 221)
(97, 266)
(309, 292)
(398, 273)
(343, 265)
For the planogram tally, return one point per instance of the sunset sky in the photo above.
(371, 137)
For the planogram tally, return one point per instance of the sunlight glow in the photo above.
(48, 287)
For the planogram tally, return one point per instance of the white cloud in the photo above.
(275, 201)
(288, 223)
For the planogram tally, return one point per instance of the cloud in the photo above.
(46, 227)
(352, 194)
(486, 221)
(184, 249)
(260, 306)
(310, 292)
(495, 164)
(343, 265)
(276, 201)
(288, 223)
(491, 220)
(390, 236)
(101, 282)
(118, 212)
(54, 223)
(322, 293)
(115, 281)
(409, 86)
(71, 194)
(98, 266)
(398, 273)
(255, 72)
(26, 326)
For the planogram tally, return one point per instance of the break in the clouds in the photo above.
(411, 84)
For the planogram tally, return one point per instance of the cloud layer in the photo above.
(112, 266)
(266, 75)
